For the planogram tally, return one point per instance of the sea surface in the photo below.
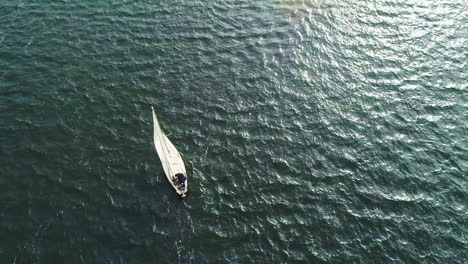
(318, 131)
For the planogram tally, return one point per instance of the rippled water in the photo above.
(319, 131)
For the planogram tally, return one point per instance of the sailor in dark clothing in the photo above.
(181, 178)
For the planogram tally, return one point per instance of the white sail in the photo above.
(171, 160)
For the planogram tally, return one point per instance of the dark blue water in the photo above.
(319, 131)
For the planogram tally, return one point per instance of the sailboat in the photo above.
(171, 160)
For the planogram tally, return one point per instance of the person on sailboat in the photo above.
(181, 178)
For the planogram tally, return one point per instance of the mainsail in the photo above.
(160, 145)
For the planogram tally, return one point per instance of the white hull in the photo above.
(171, 160)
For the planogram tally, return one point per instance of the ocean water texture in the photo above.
(319, 131)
